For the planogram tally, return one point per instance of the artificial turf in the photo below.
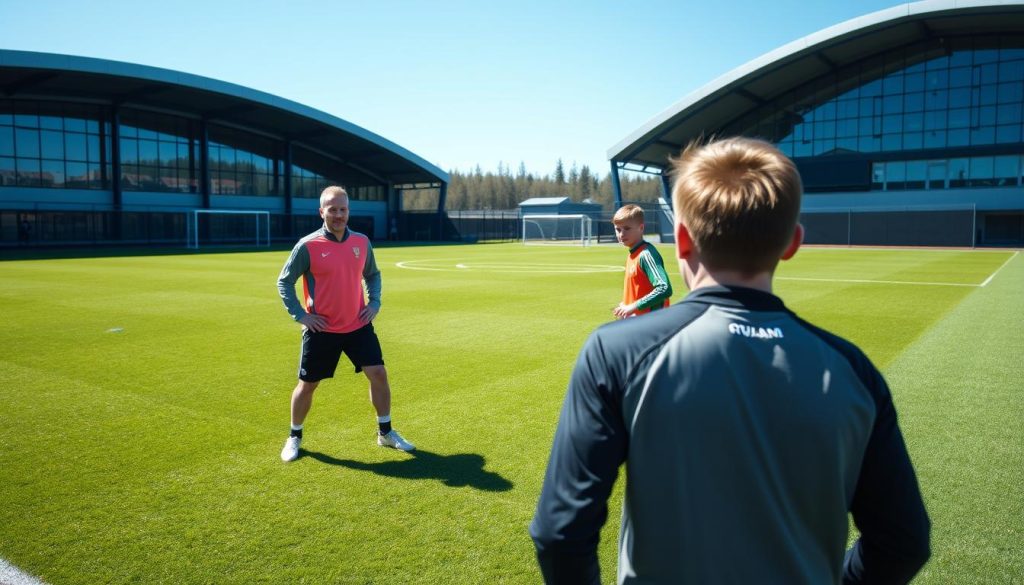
(145, 400)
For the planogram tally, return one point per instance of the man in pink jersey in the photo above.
(333, 262)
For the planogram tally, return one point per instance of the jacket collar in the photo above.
(737, 296)
(638, 246)
(330, 236)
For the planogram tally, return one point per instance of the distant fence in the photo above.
(963, 227)
(159, 228)
(485, 225)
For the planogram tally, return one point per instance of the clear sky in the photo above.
(459, 83)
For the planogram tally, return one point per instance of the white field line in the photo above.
(441, 265)
(1001, 266)
(866, 281)
(829, 247)
(11, 575)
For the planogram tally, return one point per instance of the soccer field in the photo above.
(144, 403)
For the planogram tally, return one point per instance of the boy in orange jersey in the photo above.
(646, 285)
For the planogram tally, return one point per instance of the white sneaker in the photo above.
(291, 449)
(395, 441)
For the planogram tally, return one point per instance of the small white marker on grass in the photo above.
(115, 330)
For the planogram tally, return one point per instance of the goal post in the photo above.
(206, 227)
(557, 230)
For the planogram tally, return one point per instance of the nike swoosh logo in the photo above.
(324, 254)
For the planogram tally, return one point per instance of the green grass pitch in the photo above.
(144, 402)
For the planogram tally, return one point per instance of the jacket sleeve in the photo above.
(659, 280)
(590, 444)
(296, 265)
(887, 506)
(371, 275)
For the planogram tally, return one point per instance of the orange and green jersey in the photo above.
(646, 281)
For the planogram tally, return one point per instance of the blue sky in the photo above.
(459, 83)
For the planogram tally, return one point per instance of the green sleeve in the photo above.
(655, 271)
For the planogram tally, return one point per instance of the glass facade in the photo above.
(312, 172)
(159, 152)
(65, 145)
(54, 145)
(370, 193)
(953, 173)
(242, 163)
(960, 95)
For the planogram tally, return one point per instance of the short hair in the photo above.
(740, 201)
(629, 213)
(332, 191)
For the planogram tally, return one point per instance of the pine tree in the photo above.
(574, 182)
(586, 183)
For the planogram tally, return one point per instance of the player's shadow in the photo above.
(461, 469)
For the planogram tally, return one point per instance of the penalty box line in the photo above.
(1001, 266)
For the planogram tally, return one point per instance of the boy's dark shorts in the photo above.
(321, 352)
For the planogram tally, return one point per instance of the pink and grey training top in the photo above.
(332, 273)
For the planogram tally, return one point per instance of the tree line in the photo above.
(506, 189)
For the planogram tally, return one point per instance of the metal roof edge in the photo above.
(33, 59)
(794, 50)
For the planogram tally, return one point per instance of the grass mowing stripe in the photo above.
(871, 281)
(193, 397)
(961, 401)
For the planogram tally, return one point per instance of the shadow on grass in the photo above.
(462, 469)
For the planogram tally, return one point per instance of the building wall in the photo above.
(981, 199)
(56, 156)
(921, 145)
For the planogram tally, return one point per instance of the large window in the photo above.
(159, 152)
(953, 173)
(53, 145)
(368, 193)
(968, 92)
(312, 172)
(242, 163)
(65, 145)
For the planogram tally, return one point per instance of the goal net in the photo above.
(221, 227)
(557, 230)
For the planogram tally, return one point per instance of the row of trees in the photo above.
(505, 189)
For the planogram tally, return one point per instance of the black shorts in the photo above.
(321, 352)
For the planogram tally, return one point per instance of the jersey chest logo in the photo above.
(355, 252)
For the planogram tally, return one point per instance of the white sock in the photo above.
(296, 427)
(384, 419)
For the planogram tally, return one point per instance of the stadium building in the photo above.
(906, 124)
(96, 151)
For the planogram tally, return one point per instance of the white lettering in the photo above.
(758, 332)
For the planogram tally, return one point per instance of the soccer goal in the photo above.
(213, 227)
(557, 230)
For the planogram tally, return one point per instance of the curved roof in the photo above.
(751, 85)
(32, 75)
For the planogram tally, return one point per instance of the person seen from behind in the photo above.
(747, 434)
